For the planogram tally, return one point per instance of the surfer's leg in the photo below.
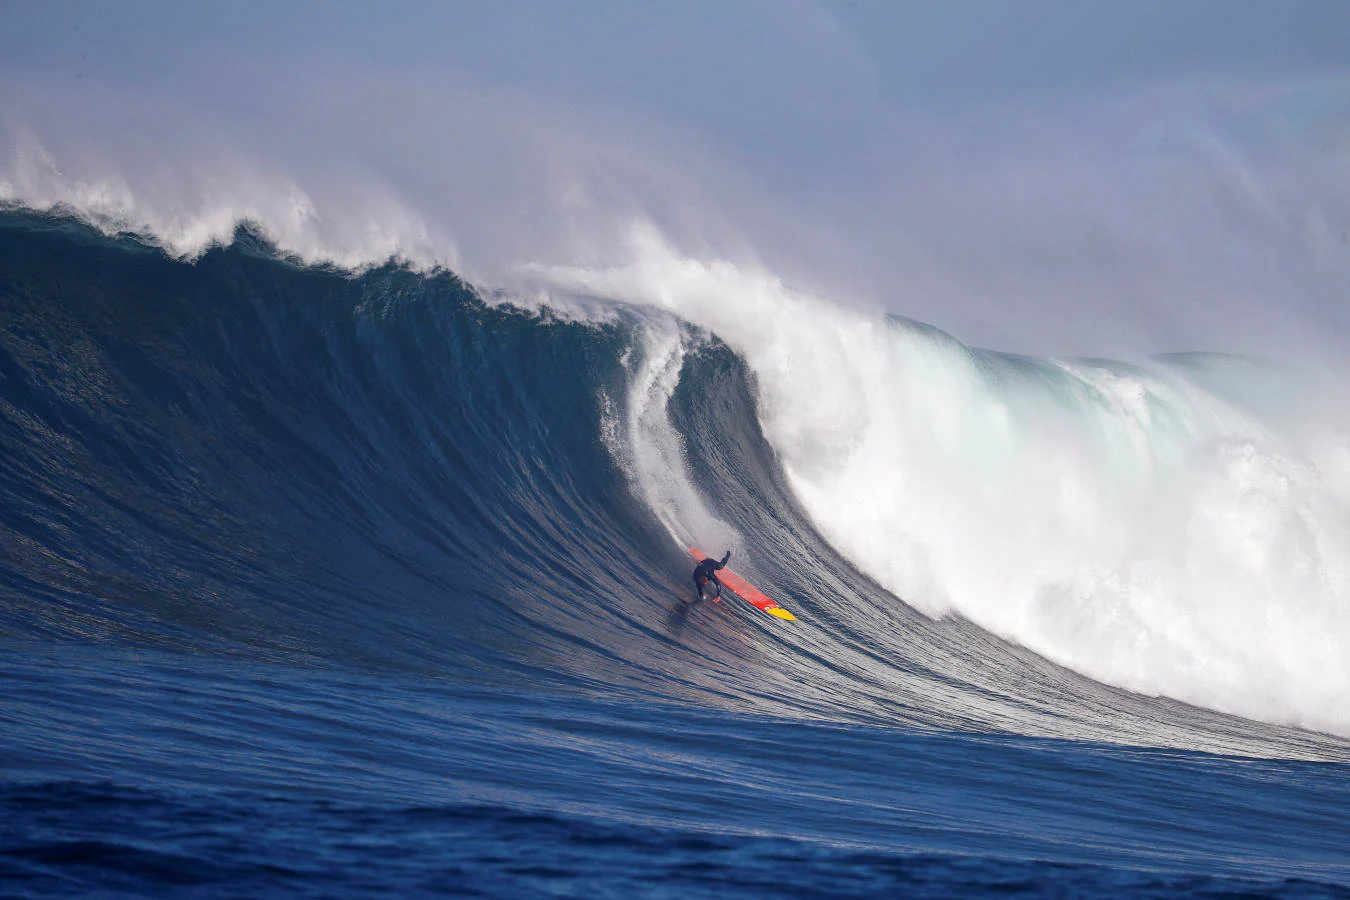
(698, 589)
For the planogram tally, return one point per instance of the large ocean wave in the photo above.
(248, 455)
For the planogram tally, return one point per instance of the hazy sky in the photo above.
(701, 57)
(1019, 172)
(706, 65)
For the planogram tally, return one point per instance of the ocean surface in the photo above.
(321, 583)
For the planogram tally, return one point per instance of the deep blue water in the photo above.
(313, 584)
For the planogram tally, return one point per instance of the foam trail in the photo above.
(648, 447)
(1123, 521)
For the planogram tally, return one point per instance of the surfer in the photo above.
(707, 571)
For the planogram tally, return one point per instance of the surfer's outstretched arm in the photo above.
(712, 574)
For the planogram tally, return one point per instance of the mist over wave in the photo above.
(1202, 215)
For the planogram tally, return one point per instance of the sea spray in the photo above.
(1120, 519)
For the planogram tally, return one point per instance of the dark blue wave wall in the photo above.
(254, 457)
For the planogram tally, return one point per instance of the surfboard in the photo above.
(745, 590)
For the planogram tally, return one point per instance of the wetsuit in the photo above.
(707, 571)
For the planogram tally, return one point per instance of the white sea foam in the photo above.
(1123, 521)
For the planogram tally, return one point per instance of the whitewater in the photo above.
(1177, 527)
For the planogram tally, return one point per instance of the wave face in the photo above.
(246, 456)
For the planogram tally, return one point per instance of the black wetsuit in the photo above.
(707, 571)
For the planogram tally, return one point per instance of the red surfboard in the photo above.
(745, 590)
